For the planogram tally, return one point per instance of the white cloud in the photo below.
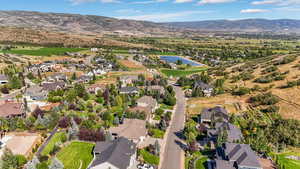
(277, 2)
(182, 1)
(265, 2)
(215, 1)
(163, 17)
(124, 11)
(149, 2)
(76, 2)
(254, 11)
(110, 1)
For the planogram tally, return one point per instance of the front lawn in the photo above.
(76, 153)
(148, 157)
(44, 51)
(180, 73)
(58, 137)
(156, 133)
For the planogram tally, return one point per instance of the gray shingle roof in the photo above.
(216, 112)
(233, 132)
(242, 154)
(117, 152)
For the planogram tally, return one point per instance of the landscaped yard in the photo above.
(58, 137)
(157, 133)
(80, 151)
(149, 158)
(287, 163)
(179, 73)
(44, 51)
(200, 163)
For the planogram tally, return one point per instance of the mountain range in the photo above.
(91, 24)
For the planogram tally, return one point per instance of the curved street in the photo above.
(172, 156)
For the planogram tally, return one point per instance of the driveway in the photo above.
(172, 156)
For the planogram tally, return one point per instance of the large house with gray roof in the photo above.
(206, 89)
(233, 133)
(117, 154)
(236, 156)
(214, 114)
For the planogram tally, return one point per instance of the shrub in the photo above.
(264, 99)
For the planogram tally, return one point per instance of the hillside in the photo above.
(247, 25)
(75, 23)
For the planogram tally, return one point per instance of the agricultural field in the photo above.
(81, 151)
(262, 79)
(180, 73)
(44, 51)
(131, 65)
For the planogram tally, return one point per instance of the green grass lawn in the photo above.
(180, 73)
(149, 158)
(200, 163)
(76, 153)
(58, 137)
(166, 107)
(157, 133)
(44, 51)
(286, 162)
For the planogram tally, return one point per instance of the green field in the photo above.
(180, 73)
(58, 137)
(44, 51)
(149, 158)
(287, 163)
(76, 154)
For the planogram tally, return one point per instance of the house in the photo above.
(128, 79)
(156, 88)
(129, 90)
(233, 133)
(50, 86)
(145, 104)
(57, 77)
(117, 154)
(132, 129)
(236, 156)
(12, 109)
(94, 88)
(205, 88)
(213, 114)
(35, 93)
(3, 79)
(20, 143)
(147, 101)
(84, 79)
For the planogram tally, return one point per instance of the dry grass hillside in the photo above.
(39, 37)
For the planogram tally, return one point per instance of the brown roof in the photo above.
(130, 129)
(11, 109)
(50, 106)
(147, 100)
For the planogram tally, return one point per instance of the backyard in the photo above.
(287, 163)
(81, 151)
(58, 137)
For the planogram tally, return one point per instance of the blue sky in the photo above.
(165, 10)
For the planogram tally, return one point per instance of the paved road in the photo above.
(173, 155)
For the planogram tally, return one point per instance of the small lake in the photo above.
(174, 59)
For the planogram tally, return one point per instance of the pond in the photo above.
(174, 59)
